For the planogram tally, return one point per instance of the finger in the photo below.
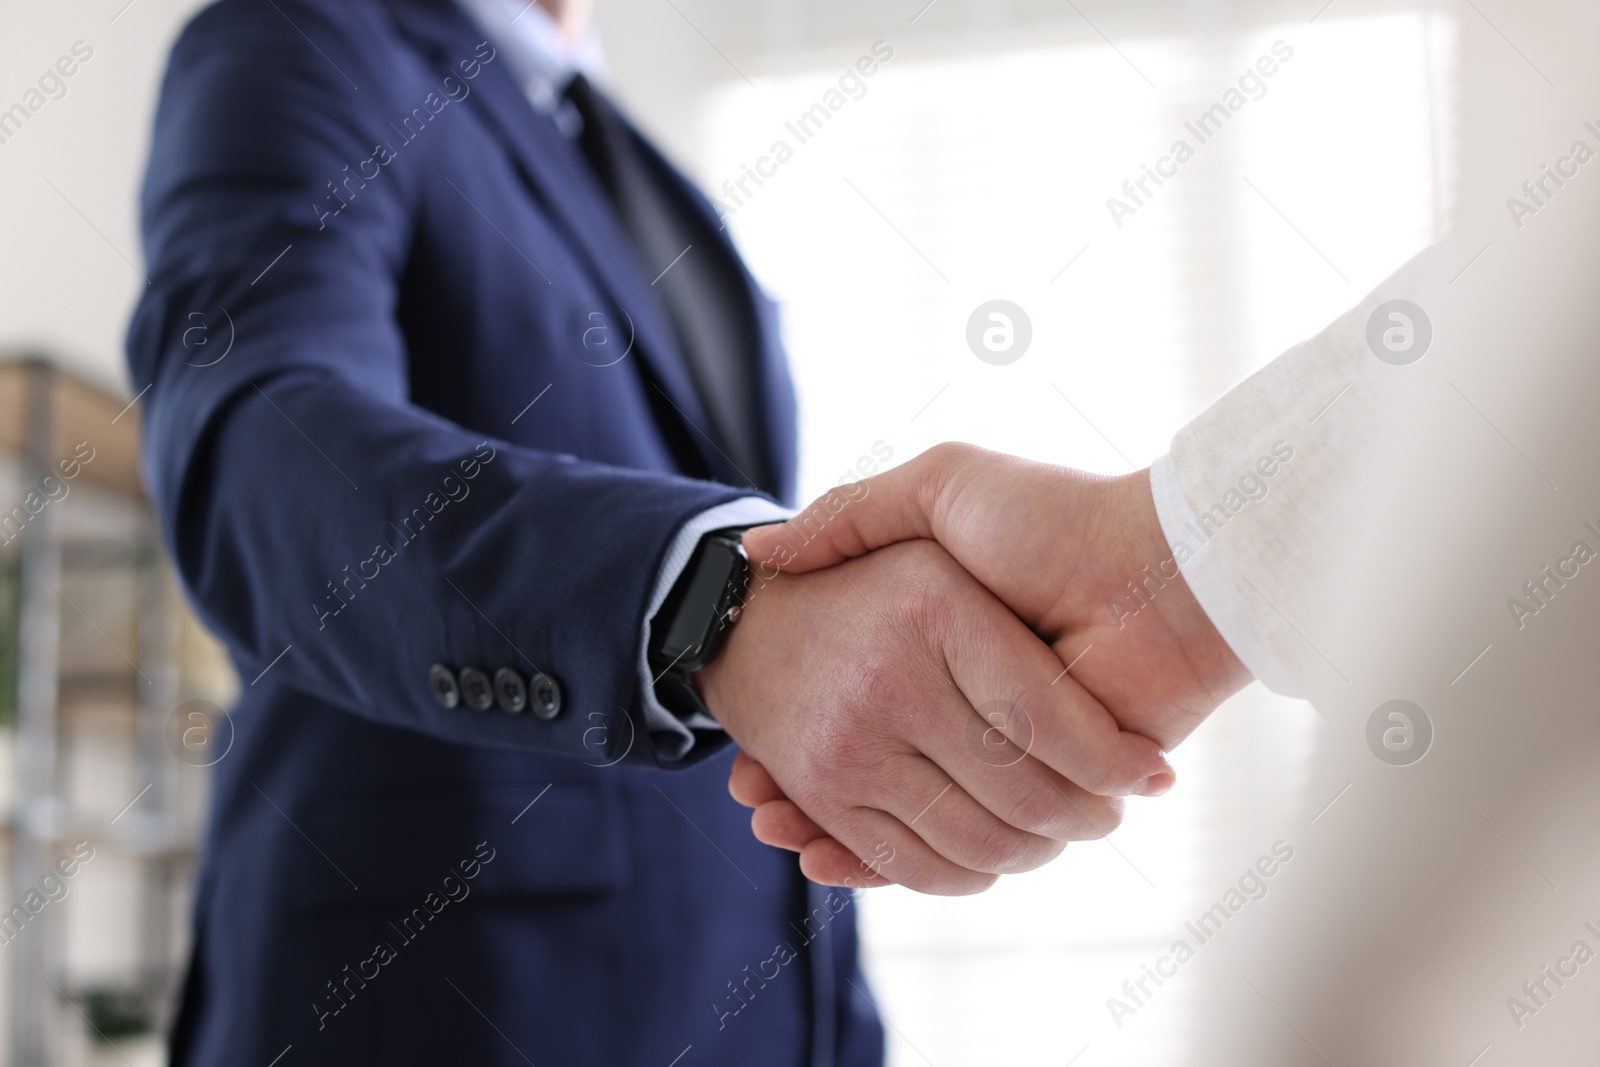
(846, 522)
(1100, 814)
(829, 863)
(948, 819)
(1004, 774)
(951, 822)
(750, 784)
(1025, 792)
(1003, 667)
(1075, 735)
(956, 826)
(892, 850)
(781, 824)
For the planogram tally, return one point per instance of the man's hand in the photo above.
(856, 686)
(1080, 558)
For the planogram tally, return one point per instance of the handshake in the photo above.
(966, 666)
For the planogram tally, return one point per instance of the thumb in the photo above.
(848, 521)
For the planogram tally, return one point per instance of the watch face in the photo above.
(693, 623)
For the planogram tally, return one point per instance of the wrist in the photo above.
(718, 681)
(707, 683)
(1134, 508)
(695, 621)
(1179, 609)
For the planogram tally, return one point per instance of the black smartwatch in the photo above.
(693, 623)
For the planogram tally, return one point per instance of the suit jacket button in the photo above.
(510, 691)
(442, 683)
(545, 695)
(477, 692)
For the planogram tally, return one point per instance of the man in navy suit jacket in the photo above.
(459, 441)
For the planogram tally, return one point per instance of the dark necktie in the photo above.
(700, 289)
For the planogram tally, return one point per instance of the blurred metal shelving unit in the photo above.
(86, 659)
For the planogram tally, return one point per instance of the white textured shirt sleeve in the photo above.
(672, 736)
(1209, 581)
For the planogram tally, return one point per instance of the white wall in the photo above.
(69, 272)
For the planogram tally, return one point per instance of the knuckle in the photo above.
(1040, 811)
(922, 869)
(1004, 849)
(883, 687)
(951, 452)
(1101, 778)
(1098, 817)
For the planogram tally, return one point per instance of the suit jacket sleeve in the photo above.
(311, 504)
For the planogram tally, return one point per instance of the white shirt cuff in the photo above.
(674, 737)
(1208, 578)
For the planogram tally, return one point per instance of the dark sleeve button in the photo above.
(442, 684)
(545, 695)
(477, 692)
(510, 691)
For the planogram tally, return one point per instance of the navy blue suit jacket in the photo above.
(368, 255)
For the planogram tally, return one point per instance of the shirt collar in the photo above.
(540, 56)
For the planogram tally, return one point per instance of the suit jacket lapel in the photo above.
(775, 390)
(554, 170)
